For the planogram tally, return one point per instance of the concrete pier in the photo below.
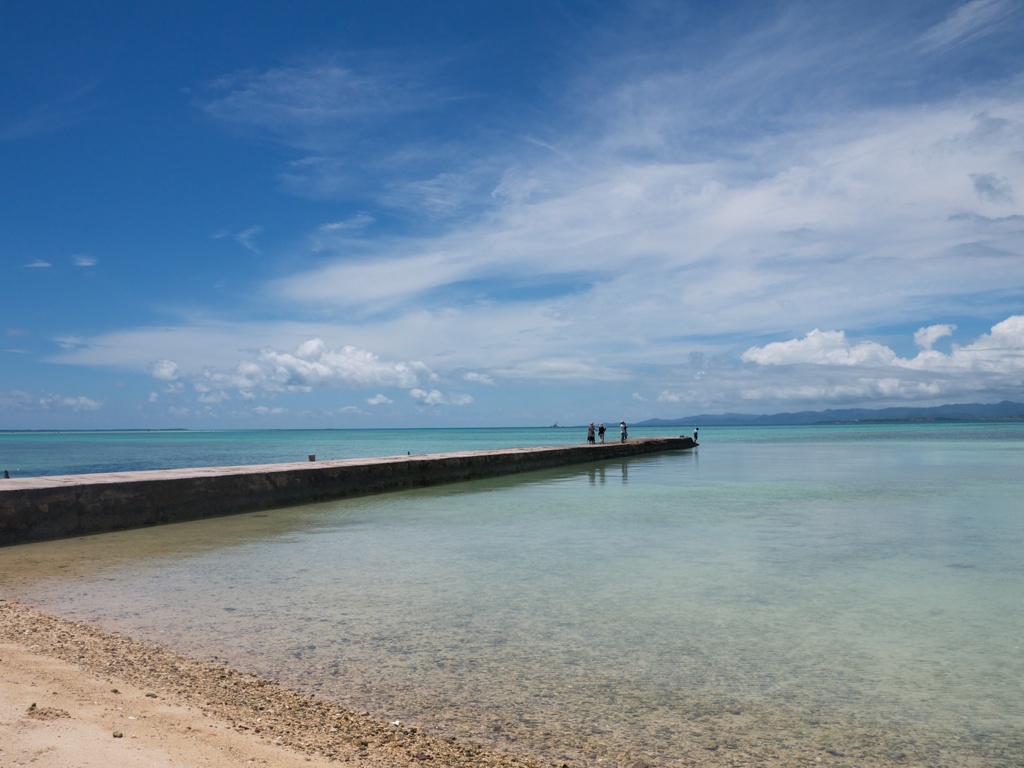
(44, 508)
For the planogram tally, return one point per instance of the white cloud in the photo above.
(165, 370)
(84, 260)
(926, 337)
(478, 378)
(441, 195)
(379, 399)
(38, 264)
(359, 221)
(245, 238)
(312, 366)
(822, 225)
(263, 410)
(993, 363)
(433, 397)
(968, 22)
(1001, 350)
(306, 105)
(23, 401)
(821, 348)
(436, 397)
(211, 397)
(379, 282)
(74, 403)
(50, 116)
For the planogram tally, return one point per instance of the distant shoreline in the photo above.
(959, 413)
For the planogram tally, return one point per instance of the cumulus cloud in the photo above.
(311, 366)
(314, 365)
(926, 337)
(999, 351)
(23, 401)
(822, 363)
(263, 410)
(478, 378)
(211, 396)
(165, 370)
(75, 403)
(436, 397)
(433, 397)
(820, 348)
(379, 399)
(1002, 350)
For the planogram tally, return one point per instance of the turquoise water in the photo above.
(778, 596)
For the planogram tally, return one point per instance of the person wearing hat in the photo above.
(590, 433)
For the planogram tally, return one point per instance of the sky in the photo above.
(474, 213)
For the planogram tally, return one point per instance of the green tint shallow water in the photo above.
(848, 594)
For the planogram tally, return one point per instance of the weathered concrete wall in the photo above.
(42, 508)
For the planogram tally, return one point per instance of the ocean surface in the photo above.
(828, 595)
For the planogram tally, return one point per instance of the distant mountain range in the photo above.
(1004, 411)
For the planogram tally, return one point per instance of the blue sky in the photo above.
(476, 213)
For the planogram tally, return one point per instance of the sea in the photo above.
(838, 595)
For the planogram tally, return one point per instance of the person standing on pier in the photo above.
(600, 433)
(622, 431)
(590, 433)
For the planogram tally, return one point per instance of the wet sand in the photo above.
(73, 695)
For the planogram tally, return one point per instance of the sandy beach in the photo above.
(72, 695)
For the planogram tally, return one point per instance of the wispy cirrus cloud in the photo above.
(246, 238)
(316, 106)
(969, 22)
(50, 116)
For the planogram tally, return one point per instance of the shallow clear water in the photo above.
(845, 593)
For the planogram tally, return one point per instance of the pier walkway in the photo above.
(61, 506)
